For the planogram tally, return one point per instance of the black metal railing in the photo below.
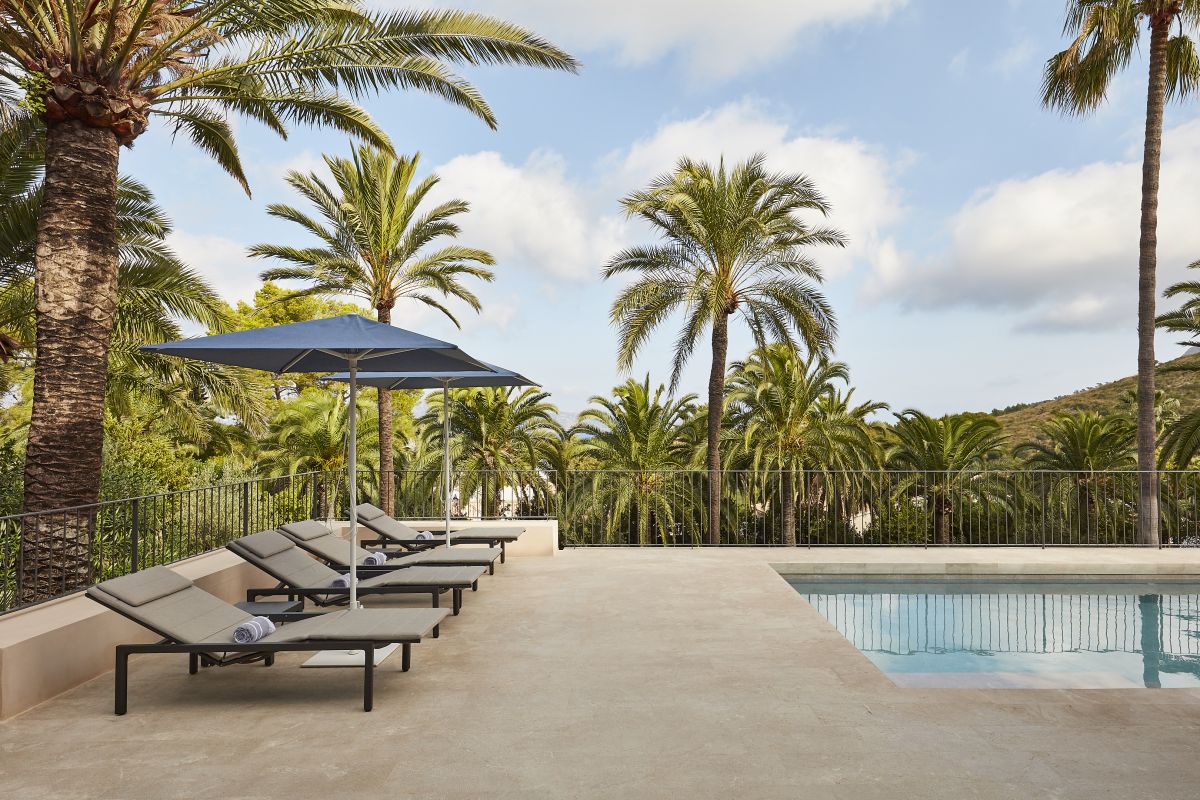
(876, 507)
(51, 553)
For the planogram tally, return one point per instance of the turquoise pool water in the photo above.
(1066, 633)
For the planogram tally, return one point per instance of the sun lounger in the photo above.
(394, 532)
(317, 539)
(300, 575)
(192, 621)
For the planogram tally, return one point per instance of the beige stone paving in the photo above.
(617, 673)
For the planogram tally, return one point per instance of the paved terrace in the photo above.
(617, 673)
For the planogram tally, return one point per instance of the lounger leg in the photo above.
(405, 656)
(368, 677)
(121, 681)
(502, 552)
(269, 661)
(457, 601)
(436, 631)
(475, 586)
(492, 568)
(436, 601)
(193, 663)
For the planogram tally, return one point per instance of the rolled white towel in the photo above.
(252, 630)
(423, 536)
(374, 559)
(340, 582)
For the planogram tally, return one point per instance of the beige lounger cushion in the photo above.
(265, 544)
(454, 577)
(308, 529)
(455, 556)
(366, 511)
(364, 624)
(139, 588)
(285, 561)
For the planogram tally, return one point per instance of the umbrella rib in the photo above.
(294, 361)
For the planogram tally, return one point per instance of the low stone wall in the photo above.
(53, 647)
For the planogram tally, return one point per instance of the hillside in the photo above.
(1023, 421)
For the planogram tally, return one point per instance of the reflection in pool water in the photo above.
(979, 633)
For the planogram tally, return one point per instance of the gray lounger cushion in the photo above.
(454, 577)
(193, 616)
(283, 560)
(337, 550)
(140, 588)
(454, 557)
(374, 518)
(308, 529)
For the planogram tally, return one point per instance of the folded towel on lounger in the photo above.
(253, 629)
(340, 582)
(374, 560)
(424, 536)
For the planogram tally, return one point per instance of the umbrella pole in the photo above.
(353, 469)
(446, 452)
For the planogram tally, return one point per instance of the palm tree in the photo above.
(1181, 442)
(374, 244)
(733, 243)
(95, 73)
(782, 406)
(155, 292)
(497, 436)
(639, 435)
(1106, 37)
(308, 435)
(1080, 451)
(945, 455)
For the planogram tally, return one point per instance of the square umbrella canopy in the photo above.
(497, 376)
(328, 345)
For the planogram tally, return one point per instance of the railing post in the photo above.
(135, 526)
(246, 508)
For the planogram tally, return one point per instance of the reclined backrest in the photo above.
(375, 519)
(314, 537)
(170, 605)
(279, 557)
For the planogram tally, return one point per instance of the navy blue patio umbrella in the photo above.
(328, 345)
(492, 376)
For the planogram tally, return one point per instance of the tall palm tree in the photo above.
(376, 243)
(308, 435)
(945, 456)
(97, 71)
(638, 434)
(497, 436)
(733, 242)
(781, 404)
(1080, 452)
(1106, 35)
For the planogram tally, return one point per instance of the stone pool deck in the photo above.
(622, 673)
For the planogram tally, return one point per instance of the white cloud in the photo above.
(859, 179)
(530, 214)
(1060, 246)
(1015, 57)
(958, 64)
(716, 38)
(223, 262)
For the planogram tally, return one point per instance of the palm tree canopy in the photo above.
(376, 236)
(495, 429)
(114, 63)
(1083, 441)
(792, 415)
(1105, 38)
(950, 444)
(638, 429)
(310, 432)
(733, 243)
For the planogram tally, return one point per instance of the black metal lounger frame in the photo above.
(255, 651)
(370, 570)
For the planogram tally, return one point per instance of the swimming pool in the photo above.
(1061, 633)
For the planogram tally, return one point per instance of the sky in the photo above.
(993, 243)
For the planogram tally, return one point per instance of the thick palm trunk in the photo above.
(716, 401)
(789, 507)
(1147, 265)
(76, 268)
(387, 452)
(942, 511)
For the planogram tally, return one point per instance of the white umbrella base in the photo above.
(348, 658)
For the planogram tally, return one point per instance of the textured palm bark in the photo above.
(789, 506)
(1147, 265)
(942, 511)
(387, 452)
(716, 399)
(76, 263)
